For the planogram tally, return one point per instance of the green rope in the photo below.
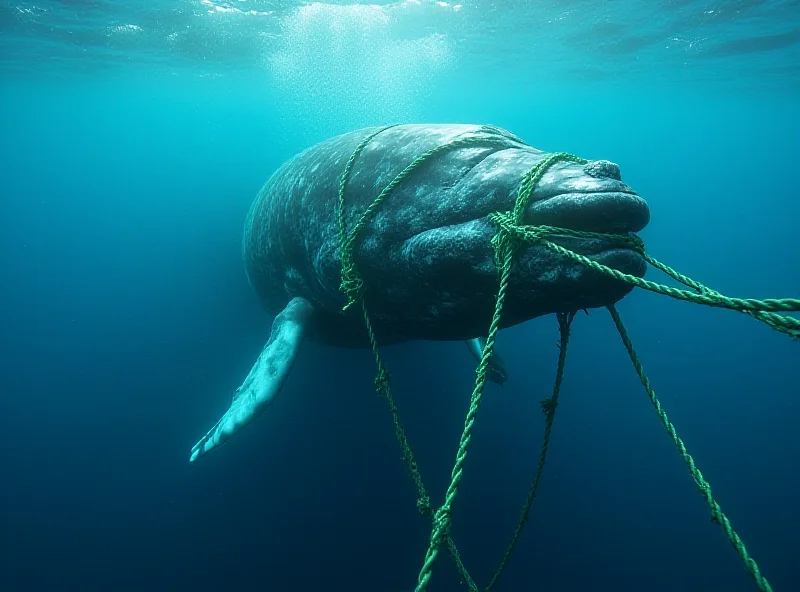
(549, 406)
(781, 323)
(763, 310)
(505, 248)
(352, 285)
(423, 499)
(442, 519)
(511, 235)
(717, 515)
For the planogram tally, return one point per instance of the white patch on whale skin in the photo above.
(381, 223)
(293, 281)
(486, 267)
(572, 272)
(548, 276)
(327, 252)
(384, 173)
(469, 152)
(490, 173)
(559, 272)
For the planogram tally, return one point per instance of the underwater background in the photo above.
(133, 137)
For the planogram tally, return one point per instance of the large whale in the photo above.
(426, 258)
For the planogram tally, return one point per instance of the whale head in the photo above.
(579, 197)
(454, 263)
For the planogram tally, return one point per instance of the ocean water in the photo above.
(133, 138)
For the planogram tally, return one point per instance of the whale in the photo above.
(426, 258)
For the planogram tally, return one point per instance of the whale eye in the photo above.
(603, 168)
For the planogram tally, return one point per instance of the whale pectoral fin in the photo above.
(265, 379)
(497, 369)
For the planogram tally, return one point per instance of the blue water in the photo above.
(133, 137)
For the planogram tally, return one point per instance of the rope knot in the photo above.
(513, 234)
(352, 285)
(507, 239)
(548, 406)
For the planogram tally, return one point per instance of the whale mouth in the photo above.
(608, 210)
(616, 211)
(612, 212)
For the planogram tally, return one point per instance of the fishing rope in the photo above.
(548, 406)
(510, 237)
(352, 285)
(717, 515)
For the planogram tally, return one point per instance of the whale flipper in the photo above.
(265, 379)
(497, 369)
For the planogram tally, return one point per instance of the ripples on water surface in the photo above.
(753, 42)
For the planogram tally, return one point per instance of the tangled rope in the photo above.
(511, 236)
